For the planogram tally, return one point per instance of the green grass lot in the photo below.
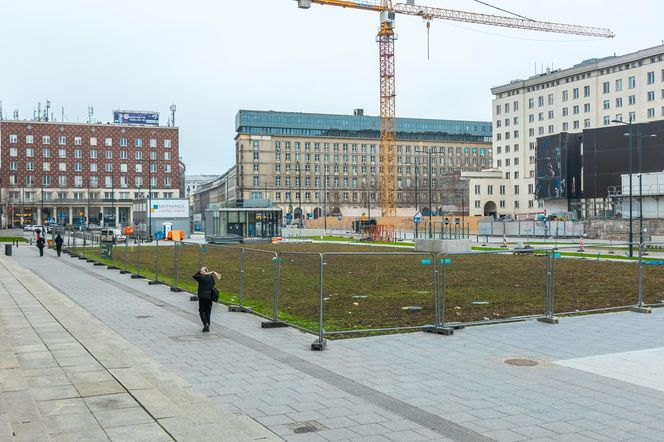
(12, 239)
(363, 291)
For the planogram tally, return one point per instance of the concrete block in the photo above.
(443, 245)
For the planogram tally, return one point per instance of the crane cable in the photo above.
(503, 10)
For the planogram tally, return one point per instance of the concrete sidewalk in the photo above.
(598, 377)
(64, 375)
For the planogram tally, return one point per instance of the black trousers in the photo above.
(59, 250)
(204, 310)
(41, 251)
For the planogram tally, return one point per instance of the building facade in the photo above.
(83, 173)
(591, 94)
(213, 194)
(310, 164)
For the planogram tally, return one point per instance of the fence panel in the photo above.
(188, 264)
(653, 274)
(226, 261)
(492, 286)
(382, 290)
(299, 288)
(595, 279)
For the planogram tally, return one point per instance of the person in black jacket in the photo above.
(40, 244)
(58, 244)
(205, 280)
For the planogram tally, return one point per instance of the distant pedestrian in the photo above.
(40, 245)
(206, 294)
(58, 244)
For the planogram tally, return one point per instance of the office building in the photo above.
(591, 94)
(310, 164)
(78, 173)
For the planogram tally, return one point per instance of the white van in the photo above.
(107, 235)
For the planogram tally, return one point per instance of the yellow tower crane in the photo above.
(386, 37)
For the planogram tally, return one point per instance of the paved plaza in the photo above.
(597, 377)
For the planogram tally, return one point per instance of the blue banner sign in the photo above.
(446, 261)
(138, 118)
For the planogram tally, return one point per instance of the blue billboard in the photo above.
(139, 118)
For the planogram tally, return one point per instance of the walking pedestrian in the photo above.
(58, 244)
(206, 289)
(40, 245)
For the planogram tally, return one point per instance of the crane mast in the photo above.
(386, 37)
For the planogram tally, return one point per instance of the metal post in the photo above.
(176, 252)
(200, 256)
(631, 233)
(320, 344)
(436, 290)
(274, 323)
(156, 262)
(241, 277)
(439, 326)
(640, 307)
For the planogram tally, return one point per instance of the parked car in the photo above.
(120, 237)
(107, 235)
(27, 228)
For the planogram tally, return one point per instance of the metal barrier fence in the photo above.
(342, 293)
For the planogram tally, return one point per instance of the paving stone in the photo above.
(122, 417)
(62, 406)
(110, 401)
(143, 432)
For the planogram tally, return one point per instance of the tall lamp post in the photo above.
(299, 194)
(629, 166)
(639, 146)
(430, 192)
(417, 209)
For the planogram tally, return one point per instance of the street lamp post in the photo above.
(629, 166)
(299, 193)
(430, 190)
(417, 209)
(639, 146)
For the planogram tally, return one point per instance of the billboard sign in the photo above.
(136, 117)
(170, 208)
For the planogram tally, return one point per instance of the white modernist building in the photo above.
(590, 94)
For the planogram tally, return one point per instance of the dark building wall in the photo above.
(606, 155)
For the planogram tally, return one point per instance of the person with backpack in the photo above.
(58, 244)
(41, 242)
(207, 293)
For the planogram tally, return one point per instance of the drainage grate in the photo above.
(196, 338)
(306, 427)
(143, 317)
(522, 362)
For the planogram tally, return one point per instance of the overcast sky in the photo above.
(213, 57)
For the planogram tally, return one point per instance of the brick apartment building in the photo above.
(83, 173)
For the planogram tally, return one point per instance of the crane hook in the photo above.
(428, 38)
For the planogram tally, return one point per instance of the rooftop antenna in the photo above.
(46, 109)
(38, 111)
(16, 114)
(62, 118)
(173, 109)
(1, 112)
(91, 113)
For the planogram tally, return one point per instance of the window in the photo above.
(123, 168)
(93, 141)
(29, 165)
(167, 143)
(550, 99)
(540, 101)
(606, 104)
(575, 93)
(78, 153)
(62, 167)
(13, 165)
(651, 95)
(123, 142)
(619, 85)
(631, 82)
(62, 153)
(108, 167)
(489, 189)
(477, 189)
(586, 107)
(29, 152)
(29, 139)
(586, 122)
(651, 77)
(619, 102)
(167, 156)
(575, 109)
(651, 112)
(153, 156)
(62, 181)
(576, 124)
(565, 111)
(586, 91)
(108, 154)
(77, 141)
(78, 181)
(607, 120)
(478, 204)
(13, 152)
(108, 142)
(62, 140)
(13, 139)
(78, 167)
(138, 142)
(93, 167)
(108, 182)
(565, 95)
(93, 153)
(606, 87)
(153, 142)
(46, 139)
(123, 155)
(632, 100)
(565, 126)
(138, 168)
